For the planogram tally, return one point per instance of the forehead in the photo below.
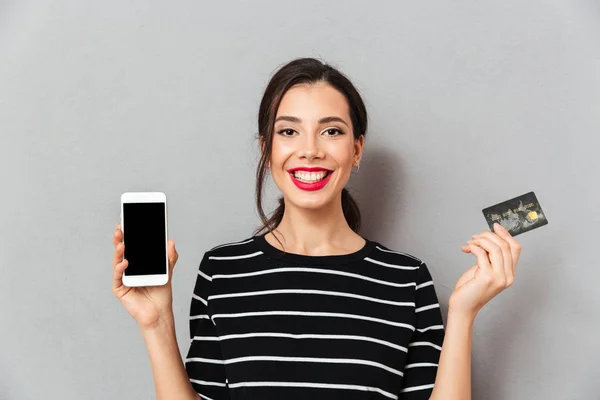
(313, 101)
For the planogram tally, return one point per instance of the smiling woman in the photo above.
(306, 308)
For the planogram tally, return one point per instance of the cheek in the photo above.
(280, 154)
(343, 155)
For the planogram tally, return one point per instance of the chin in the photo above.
(311, 202)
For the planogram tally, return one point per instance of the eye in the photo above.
(286, 132)
(333, 132)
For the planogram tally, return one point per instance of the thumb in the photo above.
(173, 256)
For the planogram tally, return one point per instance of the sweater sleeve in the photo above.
(426, 344)
(204, 362)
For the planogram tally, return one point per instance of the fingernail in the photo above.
(498, 226)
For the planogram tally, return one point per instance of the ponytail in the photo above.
(351, 210)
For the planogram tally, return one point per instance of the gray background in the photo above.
(470, 104)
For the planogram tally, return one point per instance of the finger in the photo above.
(118, 274)
(117, 235)
(494, 253)
(118, 254)
(466, 248)
(173, 256)
(515, 246)
(506, 254)
(509, 268)
(482, 257)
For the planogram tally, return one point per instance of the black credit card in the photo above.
(518, 215)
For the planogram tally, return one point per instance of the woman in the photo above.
(306, 308)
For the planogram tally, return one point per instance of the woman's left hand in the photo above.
(497, 256)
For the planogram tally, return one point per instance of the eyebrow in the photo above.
(324, 120)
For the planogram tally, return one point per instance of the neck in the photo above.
(316, 231)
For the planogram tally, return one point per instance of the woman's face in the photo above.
(313, 145)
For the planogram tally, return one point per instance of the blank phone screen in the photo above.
(144, 238)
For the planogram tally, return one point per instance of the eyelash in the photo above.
(340, 132)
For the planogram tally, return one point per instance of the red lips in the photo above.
(310, 186)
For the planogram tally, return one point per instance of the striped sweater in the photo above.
(265, 324)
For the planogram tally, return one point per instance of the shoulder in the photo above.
(227, 252)
(402, 262)
(385, 254)
(236, 248)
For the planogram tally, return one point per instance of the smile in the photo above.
(310, 178)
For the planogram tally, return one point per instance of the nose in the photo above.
(310, 148)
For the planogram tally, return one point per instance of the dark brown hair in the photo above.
(301, 71)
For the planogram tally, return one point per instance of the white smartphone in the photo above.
(144, 226)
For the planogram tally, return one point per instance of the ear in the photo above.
(358, 147)
(261, 141)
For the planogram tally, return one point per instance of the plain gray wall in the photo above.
(470, 104)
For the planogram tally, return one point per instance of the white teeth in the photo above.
(309, 177)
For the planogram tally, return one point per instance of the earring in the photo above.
(357, 166)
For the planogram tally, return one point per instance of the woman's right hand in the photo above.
(148, 305)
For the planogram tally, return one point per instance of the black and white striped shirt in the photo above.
(265, 324)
